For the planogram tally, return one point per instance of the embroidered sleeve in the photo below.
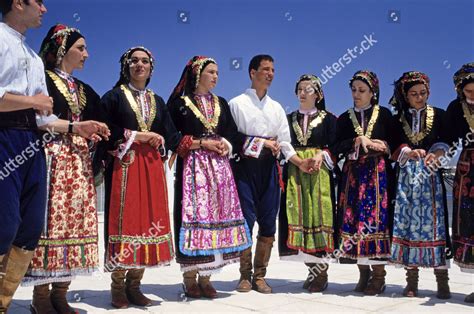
(228, 145)
(328, 159)
(253, 146)
(184, 145)
(439, 146)
(124, 145)
(396, 154)
(354, 153)
(403, 156)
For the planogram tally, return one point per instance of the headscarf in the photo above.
(462, 77)
(399, 99)
(369, 78)
(315, 82)
(125, 65)
(190, 77)
(57, 43)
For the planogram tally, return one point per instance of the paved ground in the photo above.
(163, 285)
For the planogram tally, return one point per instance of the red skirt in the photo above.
(139, 231)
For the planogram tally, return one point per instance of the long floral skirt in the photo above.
(69, 242)
(463, 211)
(363, 208)
(139, 233)
(419, 229)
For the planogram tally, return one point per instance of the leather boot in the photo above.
(377, 281)
(58, 298)
(443, 287)
(41, 303)
(469, 298)
(411, 290)
(364, 276)
(207, 290)
(119, 297)
(190, 286)
(311, 275)
(245, 284)
(14, 265)
(320, 283)
(262, 256)
(132, 288)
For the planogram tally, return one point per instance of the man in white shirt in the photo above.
(256, 171)
(22, 162)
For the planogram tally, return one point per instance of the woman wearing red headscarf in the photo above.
(207, 214)
(69, 242)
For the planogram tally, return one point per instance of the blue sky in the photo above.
(304, 36)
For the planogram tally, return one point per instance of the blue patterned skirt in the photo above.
(419, 232)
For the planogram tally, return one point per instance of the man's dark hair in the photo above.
(255, 62)
(6, 6)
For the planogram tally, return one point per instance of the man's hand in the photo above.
(42, 104)
(274, 146)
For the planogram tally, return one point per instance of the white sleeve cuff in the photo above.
(354, 155)
(43, 120)
(125, 147)
(403, 156)
(287, 150)
(327, 160)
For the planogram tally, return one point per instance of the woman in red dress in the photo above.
(137, 226)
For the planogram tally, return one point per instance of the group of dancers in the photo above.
(237, 163)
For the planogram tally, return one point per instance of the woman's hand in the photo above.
(363, 141)
(216, 146)
(273, 145)
(417, 154)
(306, 165)
(379, 146)
(433, 157)
(317, 161)
(91, 130)
(155, 140)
